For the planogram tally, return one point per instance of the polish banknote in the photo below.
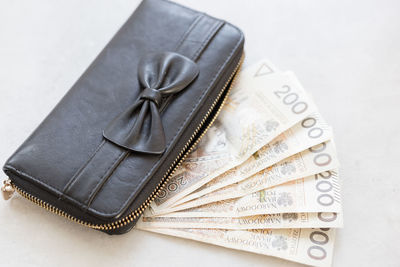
(316, 159)
(263, 179)
(311, 131)
(316, 193)
(258, 110)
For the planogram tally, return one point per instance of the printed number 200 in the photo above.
(291, 99)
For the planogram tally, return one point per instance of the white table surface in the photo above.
(346, 53)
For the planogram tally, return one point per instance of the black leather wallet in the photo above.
(113, 141)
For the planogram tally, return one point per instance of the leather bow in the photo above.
(139, 128)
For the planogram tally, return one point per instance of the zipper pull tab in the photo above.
(7, 189)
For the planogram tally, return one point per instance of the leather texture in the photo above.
(139, 128)
(68, 163)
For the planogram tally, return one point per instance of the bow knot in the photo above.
(139, 128)
(153, 95)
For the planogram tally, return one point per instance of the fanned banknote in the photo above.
(314, 160)
(316, 193)
(311, 131)
(263, 179)
(257, 111)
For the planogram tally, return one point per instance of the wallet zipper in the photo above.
(9, 187)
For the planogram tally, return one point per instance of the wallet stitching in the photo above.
(41, 182)
(98, 187)
(72, 181)
(210, 35)
(193, 57)
(103, 212)
(184, 36)
(102, 177)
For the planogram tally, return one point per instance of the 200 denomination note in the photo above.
(307, 246)
(316, 159)
(270, 221)
(258, 109)
(316, 193)
(311, 131)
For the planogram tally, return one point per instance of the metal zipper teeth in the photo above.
(177, 162)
